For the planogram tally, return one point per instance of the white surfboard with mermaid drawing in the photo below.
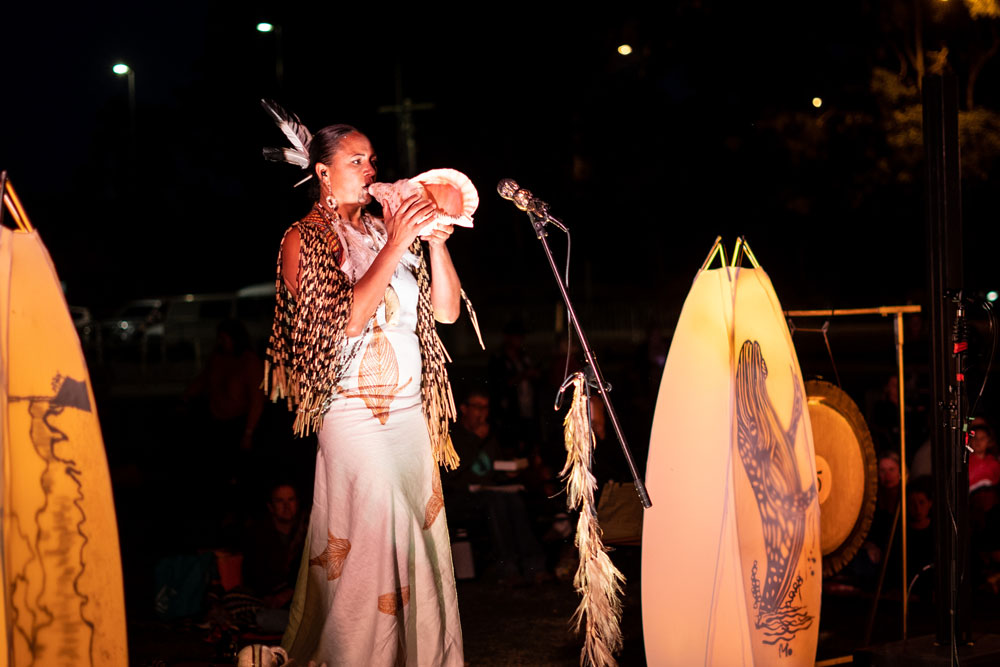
(731, 571)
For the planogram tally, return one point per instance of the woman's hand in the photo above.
(439, 236)
(402, 225)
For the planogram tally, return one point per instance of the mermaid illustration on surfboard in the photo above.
(767, 451)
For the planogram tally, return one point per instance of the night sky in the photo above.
(647, 157)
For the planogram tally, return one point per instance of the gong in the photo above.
(846, 473)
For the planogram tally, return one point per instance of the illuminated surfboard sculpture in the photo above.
(731, 555)
(62, 581)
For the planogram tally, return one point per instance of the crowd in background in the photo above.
(241, 513)
(237, 486)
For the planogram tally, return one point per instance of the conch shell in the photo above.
(452, 193)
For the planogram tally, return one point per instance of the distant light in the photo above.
(188, 298)
(624, 49)
(120, 68)
(264, 26)
(817, 102)
(991, 296)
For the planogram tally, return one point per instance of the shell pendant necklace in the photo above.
(361, 246)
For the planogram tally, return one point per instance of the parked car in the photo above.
(189, 326)
(255, 309)
(133, 321)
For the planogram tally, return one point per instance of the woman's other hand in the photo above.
(403, 224)
(439, 235)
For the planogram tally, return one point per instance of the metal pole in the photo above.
(131, 118)
(902, 453)
(640, 488)
(945, 276)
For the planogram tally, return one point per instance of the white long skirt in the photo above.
(377, 586)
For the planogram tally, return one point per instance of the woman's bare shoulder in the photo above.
(291, 241)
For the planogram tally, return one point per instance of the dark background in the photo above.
(706, 128)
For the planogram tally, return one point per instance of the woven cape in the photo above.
(307, 352)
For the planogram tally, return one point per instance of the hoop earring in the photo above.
(331, 202)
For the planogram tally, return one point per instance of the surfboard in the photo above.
(731, 555)
(63, 598)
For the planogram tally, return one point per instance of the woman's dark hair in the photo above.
(321, 149)
(325, 142)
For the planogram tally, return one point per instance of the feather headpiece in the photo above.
(298, 136)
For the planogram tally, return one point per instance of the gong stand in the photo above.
(539, 220)
(897, 312)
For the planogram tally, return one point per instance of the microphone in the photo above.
(507, 188)
(525, 201)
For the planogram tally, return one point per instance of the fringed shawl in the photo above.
(307, 356)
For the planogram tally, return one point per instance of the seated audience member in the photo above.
(274, 548)
(984, 497)
(476, 446)
(866, 564)
(984, 468)
(477, 491)
(271, 560)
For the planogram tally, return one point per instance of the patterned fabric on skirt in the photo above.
(376, 586)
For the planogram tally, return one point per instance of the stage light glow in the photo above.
(624, 49)
(817, 102)
(264, 26)
(991, 296)
(120, 69)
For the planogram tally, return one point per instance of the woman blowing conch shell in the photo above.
(355, 351)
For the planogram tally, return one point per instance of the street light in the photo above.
(279, 62)
(817, 102)
(121, 69)
(624, 49)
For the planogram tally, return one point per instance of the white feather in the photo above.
(289, 155)
(297, 133)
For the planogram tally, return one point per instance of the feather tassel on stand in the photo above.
(597, 580)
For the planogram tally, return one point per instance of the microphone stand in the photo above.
(539, 219)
